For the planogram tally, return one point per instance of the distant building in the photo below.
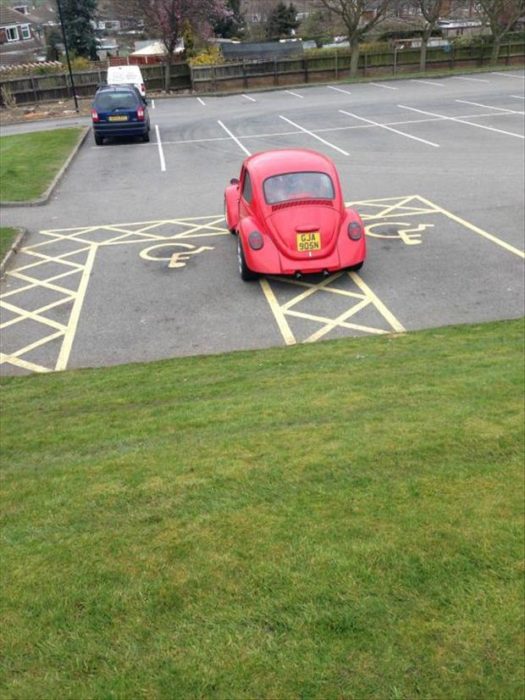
(19, 41)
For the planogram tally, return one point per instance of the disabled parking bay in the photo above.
(141, 291)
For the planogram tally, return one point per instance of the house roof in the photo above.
(9, 16)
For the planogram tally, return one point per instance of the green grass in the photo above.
(339, 520)
(7, 238)
(29, 162)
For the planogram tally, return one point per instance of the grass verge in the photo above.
(29, 162)
(7, 238)
(340, 520)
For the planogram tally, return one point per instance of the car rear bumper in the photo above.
(121, 129)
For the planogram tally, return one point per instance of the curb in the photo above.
(12, 250)
(47, 194)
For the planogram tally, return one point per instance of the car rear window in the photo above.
(281, 188)
(110, 101)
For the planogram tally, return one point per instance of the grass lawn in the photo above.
(7, 238)
(339, 520)
(29, 162)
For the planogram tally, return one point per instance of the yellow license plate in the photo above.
(308, 241)
(118, 118)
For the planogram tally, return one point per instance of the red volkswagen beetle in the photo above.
(289, 216)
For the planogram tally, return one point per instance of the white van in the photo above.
(130, 75)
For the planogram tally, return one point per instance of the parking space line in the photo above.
(71, 329)
(243, 148)
(389, 128)
(462, 121)
(518, 97)
(201, 101)
(428, 82)
(295, 94)
(489, 236)
(498, 109)
(509, 75)
(161, 150)
(286, 332)
(152, 104)
(385, 87)
(247, 97)
(332, 87)
(471, 80)
(315, 136)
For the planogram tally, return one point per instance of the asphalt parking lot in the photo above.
(130, 261)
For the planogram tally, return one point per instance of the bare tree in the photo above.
(358, 20)
(169, 19)
(500, 15)
(431, 10)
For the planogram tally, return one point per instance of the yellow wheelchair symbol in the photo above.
(398, 229)
(176, 259)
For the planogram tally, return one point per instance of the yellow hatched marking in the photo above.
(23, 364)
(285, 329)
(34, 315)
(363, 299)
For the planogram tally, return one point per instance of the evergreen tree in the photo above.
(78, 16)
(281, 21)
(231, 23)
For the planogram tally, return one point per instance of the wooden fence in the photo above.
(336, 65)
(321, 67)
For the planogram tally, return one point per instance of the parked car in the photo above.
(119, 111)
(126, 75)
(288, 213)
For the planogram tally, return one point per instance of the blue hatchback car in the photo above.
(119, 110)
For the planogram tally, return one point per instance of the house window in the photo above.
(12, 33)
(26, 32)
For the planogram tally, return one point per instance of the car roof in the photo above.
(124, 87)
(286, 160)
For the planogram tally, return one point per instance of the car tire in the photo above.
(99, 140)
(145, 138)
(246, 274)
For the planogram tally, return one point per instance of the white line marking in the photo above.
(389, 128)
(249, 98)
(463, 121)
(201, 101)
(152, 104)
(69, 335)
(518, 97)
(499, 109)
(509, 75)
(311, 133)
(234, 138)
(427, 82)
(347, 92)
(472, 80)
(295, 94)
(386, 87)
(161, 150)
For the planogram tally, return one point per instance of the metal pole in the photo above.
(67, 54)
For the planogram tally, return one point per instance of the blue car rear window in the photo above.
(110, 101)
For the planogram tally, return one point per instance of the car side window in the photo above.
(247, 187)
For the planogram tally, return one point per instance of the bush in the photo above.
(211, 56)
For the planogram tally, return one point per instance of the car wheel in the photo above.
(99, 140)
(145, 138)
(246, 274)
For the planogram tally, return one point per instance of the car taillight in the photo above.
(140, 114)
(94, 115)
(255, 240)
(355, 231)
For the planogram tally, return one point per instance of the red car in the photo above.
(288, 213)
